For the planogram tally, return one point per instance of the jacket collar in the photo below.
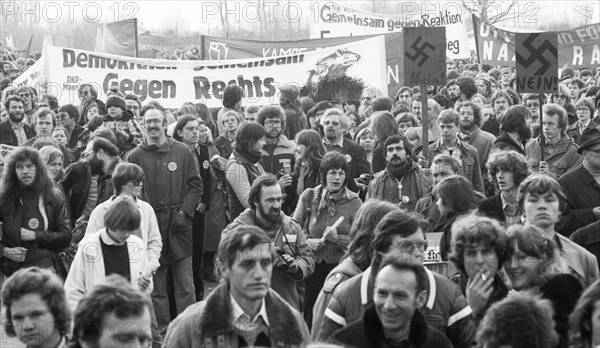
(217, 317)
(374, 330)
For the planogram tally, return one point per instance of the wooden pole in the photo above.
(424, 121)
(542, 137)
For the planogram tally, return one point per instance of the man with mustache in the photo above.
(402, 181)
(242, 311)
(14, 131)
(295, 261)
(279, 151)
(174, 189)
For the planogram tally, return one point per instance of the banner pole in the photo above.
(542, 137)
(135, 26)
(424, 122)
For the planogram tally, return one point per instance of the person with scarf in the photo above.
(244, 166)
(319, 211)
(402, 181)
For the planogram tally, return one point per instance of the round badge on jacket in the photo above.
(205, 164)
(33, 223)
(348, 158)
(172, 166)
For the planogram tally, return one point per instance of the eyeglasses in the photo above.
(333, 123)
(334, 173)
(86, 154)
(273, 123)
(230, 120)
(410, 246)
(24, 95)
(137, 183)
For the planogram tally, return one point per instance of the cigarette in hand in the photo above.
(483, 277)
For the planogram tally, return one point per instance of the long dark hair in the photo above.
(10, 191)
(315, 150)
(456, 193)
(181, 122)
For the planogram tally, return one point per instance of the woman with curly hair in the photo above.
(36, 308)
(534, 263)
(36, 225)
(479, 252)
(507, 169)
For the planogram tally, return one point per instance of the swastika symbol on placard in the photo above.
(420, 51)
(537, 54)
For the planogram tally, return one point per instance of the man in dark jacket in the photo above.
(399, 234)
(335, 123)
(173, 188)
(394, 319)
(296, 261)
(14, 131)
(582, 186)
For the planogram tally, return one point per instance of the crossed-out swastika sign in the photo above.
(425, 56)
(537, 62)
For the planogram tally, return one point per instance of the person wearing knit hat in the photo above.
(504, 78)
(484, 86)
(119, 119)
(567, 73)
(494, 73)
(452, 74)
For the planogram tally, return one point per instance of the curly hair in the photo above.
(47, 285)
(10, 191)
(472, 231)
(510, 161)
(520, 320)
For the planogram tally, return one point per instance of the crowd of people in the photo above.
(312, 216)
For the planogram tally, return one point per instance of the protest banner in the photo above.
(361, 63)
(579, 47)
(216, 48)
(425, 65)
(333, 20)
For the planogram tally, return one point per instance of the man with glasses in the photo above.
(584, 109)
(334, 124)
(29, 103)
(532, 102)
(560, 152)
(232, 101)
(174, 189)
(399, 235)
(278, 153)
(581, 185)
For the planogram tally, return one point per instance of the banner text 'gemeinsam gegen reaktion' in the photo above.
(61, 71)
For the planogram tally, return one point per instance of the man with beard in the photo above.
(174, 189)
(560, 151)
(402, 181)
(278, 152)
(29, 103)
(90, 179)
(470, 121)
(453, 91)
(517, 133)
(5, 72)
(14, 131)
(335, 124)
(450, 144)
(295, 262)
